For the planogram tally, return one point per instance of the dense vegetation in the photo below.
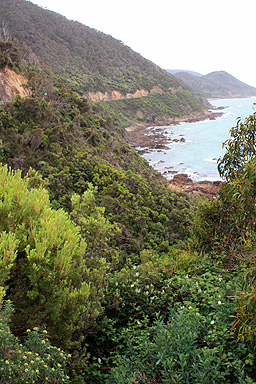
(217, 85)
(91, 61)
(152, 109)
(106, 275)
(105, 262)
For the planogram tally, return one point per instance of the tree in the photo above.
(42, 266)
(229, 222)
(240, 148)
(238, 167)
(4, 33)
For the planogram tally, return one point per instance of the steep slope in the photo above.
(174, 71)
(97, 61)
(218, 84)
(235, 86)
(12, 84)
(95, 64)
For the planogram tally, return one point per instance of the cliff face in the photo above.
(116, 95)
(12, 84)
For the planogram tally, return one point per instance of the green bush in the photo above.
(34, 360)
(197, 344)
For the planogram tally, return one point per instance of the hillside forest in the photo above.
(107, 275)
(217, 85)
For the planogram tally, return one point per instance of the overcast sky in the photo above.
(199, 35)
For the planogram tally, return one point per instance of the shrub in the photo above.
(33, 361)
(197, 344)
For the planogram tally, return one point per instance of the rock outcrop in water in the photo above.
(182, 183)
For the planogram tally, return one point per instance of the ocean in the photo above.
(197, 155)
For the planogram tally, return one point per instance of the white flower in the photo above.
(220, 279)
(190, 307)
(212, 322)
(134, 267)
(196, 283)
(199, 290)
(219, 302)
(182, 307)
(186, 276)
(146, 293)
(116, 282)
(137, 274)
(132, 285)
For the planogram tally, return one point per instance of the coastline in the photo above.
(145, 137)
(205, 188)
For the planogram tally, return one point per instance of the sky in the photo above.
(198, 35)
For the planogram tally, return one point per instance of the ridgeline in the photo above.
(106, 275)
(98, 66)
(216, 85)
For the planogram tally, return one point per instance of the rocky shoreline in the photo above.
(145, 137)
(204, 188)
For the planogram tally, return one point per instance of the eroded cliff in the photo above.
(12, 84)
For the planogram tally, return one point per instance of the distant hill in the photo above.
(174, 71)
(95, 64)
(218, 84)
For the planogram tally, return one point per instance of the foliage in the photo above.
(230, 219)
(94, 64)
(228, 223)
(9, 55)
(197, 344)
(215, 227)
(41, 259)
(240, 148)
(153, 108)
(217, 85)
(246, 298)
(71, 146)
(113, 264)
(33, 361)
(88, 59)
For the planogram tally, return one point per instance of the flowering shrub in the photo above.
(34, 361)
(198, 342)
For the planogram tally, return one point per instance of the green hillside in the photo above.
(102, 268)
(91, 61)
(218, 84)
(107, 275)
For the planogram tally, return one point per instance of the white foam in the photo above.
(193, 175)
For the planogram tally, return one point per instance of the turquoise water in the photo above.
(197, 156)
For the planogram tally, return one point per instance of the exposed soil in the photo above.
(12, 84)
